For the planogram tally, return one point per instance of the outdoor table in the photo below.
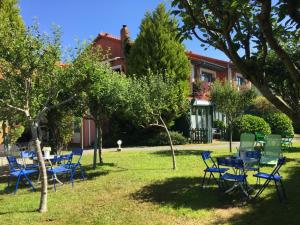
(48, 159)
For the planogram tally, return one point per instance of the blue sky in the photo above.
(85, 19)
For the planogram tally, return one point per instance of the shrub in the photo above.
(261, 107)
(15, 133)
(280, 123)
(219, 124)
(252, 124)
(162, 139)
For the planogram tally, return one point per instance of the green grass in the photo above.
(139, 187)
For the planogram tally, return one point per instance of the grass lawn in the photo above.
(139, 187)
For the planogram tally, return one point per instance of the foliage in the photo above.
(158, 49)
(15, 132)
(106, 91)
(261, 38)
(161, 138)
(34, 82)
(251, 124)
(219, 124)
(229, 101)
(60, 125)
(261, 107)
(280, 123)
(153, 99)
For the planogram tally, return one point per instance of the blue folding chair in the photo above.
(58, 169)
(274, 176)
(29, 154)
(211, 167)
(16, 170)
(239, 177)
(76, 165)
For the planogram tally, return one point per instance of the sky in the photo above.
(84, 20)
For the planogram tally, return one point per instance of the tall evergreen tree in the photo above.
(158, 48)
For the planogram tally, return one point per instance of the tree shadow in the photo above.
(186, 192)
(268, 210)
(179, 152)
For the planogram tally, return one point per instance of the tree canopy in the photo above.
(157, 48)
(257, 36)
(230, 101)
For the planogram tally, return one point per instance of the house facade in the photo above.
(204, 70)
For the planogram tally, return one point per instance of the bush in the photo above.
(261, 107)
(219, 124)
(251, 124)
(162, 139)
(15, 133)
(280, 123)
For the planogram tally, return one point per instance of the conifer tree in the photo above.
(158, 48)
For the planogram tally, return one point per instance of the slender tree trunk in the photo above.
(43, 172)
(100, 143)
(171, 143)
(230, 139)
(95, 147)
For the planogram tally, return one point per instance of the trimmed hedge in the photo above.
(162, 139)
(280, 123)
(251, 124)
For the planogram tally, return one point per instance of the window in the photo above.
(240, 81)
(207, 75)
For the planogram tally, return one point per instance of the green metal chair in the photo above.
(247, 142)
(286, 141)
(260, 139)
(272, 150)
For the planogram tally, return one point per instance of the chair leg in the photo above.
(208, 180)
(29, 181)
(54, 182)
(71, 177)
(17, 184)
(262, 188)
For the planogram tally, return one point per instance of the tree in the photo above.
(33, 82)
(106, 93)
(152, 100)
(231, 102)
(255, 35)
(157, 48)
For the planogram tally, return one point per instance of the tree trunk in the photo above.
(100, 143)
(43, 172)
(95, 147)
(230, 139)
(171, 143)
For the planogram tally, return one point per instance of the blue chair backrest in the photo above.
(77, 151)
(280, 162)
(62, 158)
(13, 164)
(253, 154)
(231, 162)
(206, 156)
(28, 154)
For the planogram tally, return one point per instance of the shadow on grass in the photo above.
(179, 152)
(186, 192)
(20, 211)
(268, 210)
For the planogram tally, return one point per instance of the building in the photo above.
(204, 71)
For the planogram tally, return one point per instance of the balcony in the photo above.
(201, 89)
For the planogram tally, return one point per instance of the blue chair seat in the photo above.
(17, 173)
(233, 177)
(60, 169)
(268, 176)
(216, 170)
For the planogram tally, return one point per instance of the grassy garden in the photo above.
(140, 187)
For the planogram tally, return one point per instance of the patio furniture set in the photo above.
(231, 172)
(56, 165)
